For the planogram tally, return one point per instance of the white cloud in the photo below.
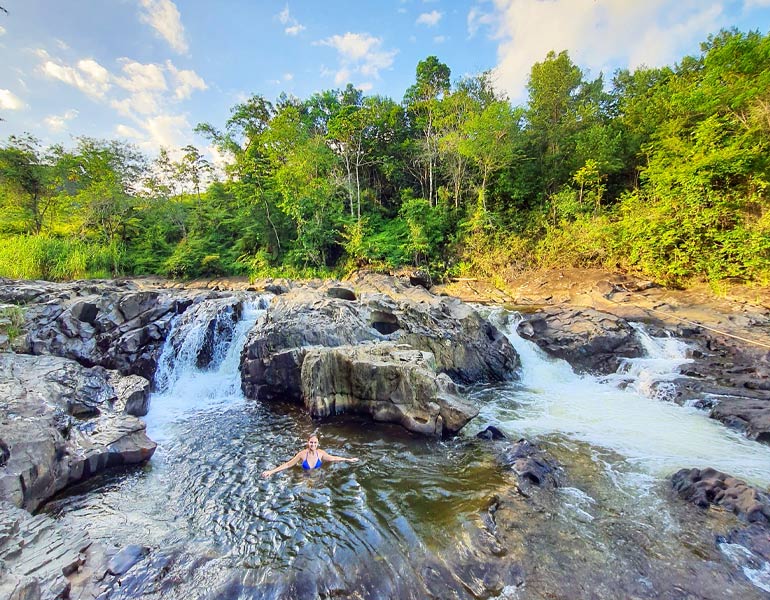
(125, 131)
(219, 159)
(477, 19)
(2, 30)
(168, 131)
(57, 123)
(655, 33)
(141, 78)
(288, 76)
(439, 39)
(359, 53)
(293, 27)
(365, 86)
(430, 19)
(138, 103)
(147, 94)
(185, 81)
(164, 17)
(757, 3)
(88, 76)
(9, 101)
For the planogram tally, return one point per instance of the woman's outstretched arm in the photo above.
(331, 458)
(288, 464)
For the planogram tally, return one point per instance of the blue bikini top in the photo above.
(305, 464)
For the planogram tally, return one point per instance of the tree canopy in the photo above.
(662, 171)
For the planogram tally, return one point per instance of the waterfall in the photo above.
(183, 385)
(625, 413)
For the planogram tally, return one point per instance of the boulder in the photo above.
(391, 382)
(132, 393)
(491, 433)
(751, 415)
(59, 426)
(464, 345)
(530, 464)
(590, 340)
(708, 487)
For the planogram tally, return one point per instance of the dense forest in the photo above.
(662, 171)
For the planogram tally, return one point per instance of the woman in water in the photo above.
(310, 458)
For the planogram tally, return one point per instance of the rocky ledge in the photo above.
(62, 422)
(394, 358)
(114, 324)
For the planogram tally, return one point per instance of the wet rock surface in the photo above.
(59, 425)
(588, 339)
(730, 377)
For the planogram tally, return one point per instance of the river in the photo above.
(412, 518)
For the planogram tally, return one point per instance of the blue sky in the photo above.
(148, 71)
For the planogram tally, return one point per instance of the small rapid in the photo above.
(625, 413)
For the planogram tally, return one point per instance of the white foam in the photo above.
(655, 437)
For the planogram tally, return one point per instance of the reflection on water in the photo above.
(407, 518)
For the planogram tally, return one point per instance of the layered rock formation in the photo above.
(391, 382)
(62, 422)
(439, 336)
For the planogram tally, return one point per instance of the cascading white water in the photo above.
(652, 374)
(655, 437)
(183, 387)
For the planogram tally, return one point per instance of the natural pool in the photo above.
(417, 517)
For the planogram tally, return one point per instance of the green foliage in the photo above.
(666, 173)
(56, 259)
(11, 321)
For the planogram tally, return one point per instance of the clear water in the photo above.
(406, 521)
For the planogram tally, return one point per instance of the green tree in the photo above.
(422, 100)
(26, 184)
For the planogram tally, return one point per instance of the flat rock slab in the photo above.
(36, 555)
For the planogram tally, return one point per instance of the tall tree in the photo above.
(25, 182)
(422, 101)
